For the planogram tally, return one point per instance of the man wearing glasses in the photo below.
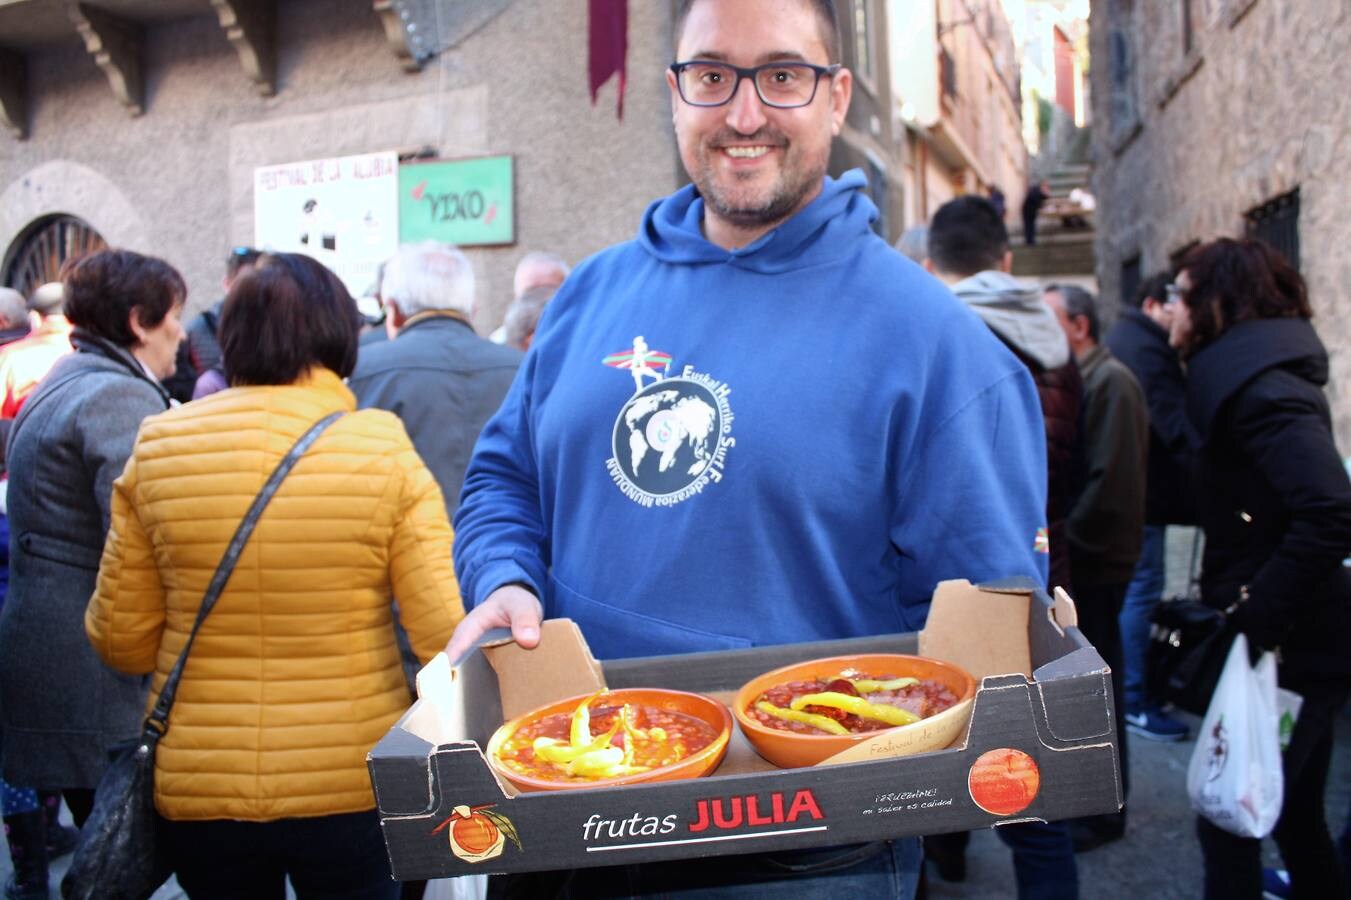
(824, 436)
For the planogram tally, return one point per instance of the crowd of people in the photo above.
(757, 406)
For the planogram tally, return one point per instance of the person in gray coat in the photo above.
(436, 374)
(61, 708)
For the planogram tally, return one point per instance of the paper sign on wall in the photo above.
(343, 211)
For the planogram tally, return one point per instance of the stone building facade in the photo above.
(176, 180)
(956, 92)
(145, 119)
(1225, 117)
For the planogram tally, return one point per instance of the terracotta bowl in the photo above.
(693, 766)
(791, 750)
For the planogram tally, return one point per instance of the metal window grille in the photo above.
(1188, 28)
(1277, 223)
(38, 254)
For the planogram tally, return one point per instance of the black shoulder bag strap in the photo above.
(159, 717)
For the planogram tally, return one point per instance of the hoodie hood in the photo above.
(672, 229)
(1016, 312)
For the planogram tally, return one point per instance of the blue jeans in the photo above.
(1043, 860)
(882, 869)
(1142, 595)
(338, 857)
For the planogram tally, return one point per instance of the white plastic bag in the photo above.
(1234, 779)
(465, 887)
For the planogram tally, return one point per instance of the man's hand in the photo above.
(510, 606)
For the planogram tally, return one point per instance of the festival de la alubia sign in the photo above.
(343, 211)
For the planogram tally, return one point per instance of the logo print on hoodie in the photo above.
(671, 437)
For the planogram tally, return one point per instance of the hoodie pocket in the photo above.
(614, 633)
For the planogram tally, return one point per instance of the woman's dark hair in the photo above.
(283, 316)
(104, 287)
(1236, 281)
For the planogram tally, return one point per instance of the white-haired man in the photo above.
(14, 322)
(434, 373)
(538, 269)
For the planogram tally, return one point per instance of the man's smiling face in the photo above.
(756, 165)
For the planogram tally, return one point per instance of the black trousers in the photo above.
(1030, 228)
(1099, 607)
(1233, 864)
(340, 857)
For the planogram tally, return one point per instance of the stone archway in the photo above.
(38, 254)
(60, 191)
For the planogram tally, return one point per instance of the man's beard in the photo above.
(783, 197)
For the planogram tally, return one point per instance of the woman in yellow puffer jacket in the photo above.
(296, 672)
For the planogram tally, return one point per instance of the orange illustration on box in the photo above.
(1004, 781)
(477, 834)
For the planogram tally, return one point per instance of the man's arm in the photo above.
(500, 533)
(501, 539)
(973, 502)
(1166, 395)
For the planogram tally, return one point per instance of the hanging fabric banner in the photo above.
(609, 45)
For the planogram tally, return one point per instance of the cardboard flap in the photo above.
(560, 667)
(983, 631)
(1064, 613)
(433, 717)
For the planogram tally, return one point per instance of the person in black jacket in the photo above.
(1139, 339)
(1275, 502)
(1033, 201)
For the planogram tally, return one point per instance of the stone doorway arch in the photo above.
(37, 254)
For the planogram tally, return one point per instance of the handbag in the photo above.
(119, 855)
(1188, 644)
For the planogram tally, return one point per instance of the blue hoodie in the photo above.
(797, 440)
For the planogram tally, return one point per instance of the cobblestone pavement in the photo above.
(1158, 859)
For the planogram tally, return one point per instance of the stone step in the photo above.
(1050, 227)
(1054, 258)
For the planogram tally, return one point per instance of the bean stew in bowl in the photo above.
(611, 738)
(804, 714)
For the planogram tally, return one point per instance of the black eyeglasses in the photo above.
(782, 85)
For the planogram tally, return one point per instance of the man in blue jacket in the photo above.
(755, 423)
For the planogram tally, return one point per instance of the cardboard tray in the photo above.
(1043, 712)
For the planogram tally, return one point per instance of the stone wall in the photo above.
(177, 181)
(1186, 143)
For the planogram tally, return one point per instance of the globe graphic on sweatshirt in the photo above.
(666, 434)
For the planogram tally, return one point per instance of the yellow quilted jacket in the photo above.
(295, 674)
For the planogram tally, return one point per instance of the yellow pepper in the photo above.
(604, 763)
(892, 715)
(555, 751)
(869, 686)
(581, 721)
(825, 723)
